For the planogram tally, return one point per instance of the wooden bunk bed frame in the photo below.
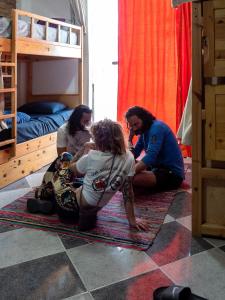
(19, 160)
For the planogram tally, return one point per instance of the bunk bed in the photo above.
(30, 38)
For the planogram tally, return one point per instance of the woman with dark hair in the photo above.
(72, 135)
(72, 142)
(162, 165)
(106, 169)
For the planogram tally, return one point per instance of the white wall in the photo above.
(47, 77)
(103, 50)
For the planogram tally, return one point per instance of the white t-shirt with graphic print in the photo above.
(72, 143)
(96, 166)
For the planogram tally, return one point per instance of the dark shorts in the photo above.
(166, 179)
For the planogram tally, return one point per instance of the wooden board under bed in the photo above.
(30, 157)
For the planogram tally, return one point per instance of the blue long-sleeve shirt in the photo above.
(161, 148)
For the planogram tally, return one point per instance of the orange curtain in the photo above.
(147, 57)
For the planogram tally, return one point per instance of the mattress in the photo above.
(38, 125)
(39, 31)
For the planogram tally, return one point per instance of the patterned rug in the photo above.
(112, 226)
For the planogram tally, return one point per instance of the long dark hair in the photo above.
(108, 137)
(75, 118)
(143, 114)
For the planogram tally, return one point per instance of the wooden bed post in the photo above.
(12, 90)
(14, 80)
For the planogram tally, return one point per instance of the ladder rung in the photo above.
(7, 142)
(6, 76)
(7, 64)
(8, 116)
(9, 90)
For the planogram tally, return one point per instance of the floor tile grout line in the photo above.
(124, 279)
(167, 275)
(31, 260)
(211, 243)
(78, 295)
(61, 242)
(186, 257)
(129, 277)
(80, 276)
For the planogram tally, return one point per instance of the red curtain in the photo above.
(184, 56)
(147, 56)
(183, 34)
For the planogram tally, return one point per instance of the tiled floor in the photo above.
(43, 265)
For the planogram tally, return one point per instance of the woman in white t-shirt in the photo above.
(107, 169)
(72, 135)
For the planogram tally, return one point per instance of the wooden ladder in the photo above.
(8, 65)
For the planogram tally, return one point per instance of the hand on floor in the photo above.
(141, 224)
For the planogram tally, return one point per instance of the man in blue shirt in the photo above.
(162, 164)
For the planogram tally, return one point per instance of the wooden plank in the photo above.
(58, 33)
(218, 4)
(7, 64)
(196, 119)
(214, 201)
(30, 146)
(220, 124)
(7, 76)
(32, 28)
(212, 173)
(36, 144)
(5, 45)
(19, 167)
(7, 142)
(44, 48)
(196, 49)
(46, 30)
(9, 116)
(4, 156)
(210, 122)
(214, 35)
(7, 90)
(213, 230)
(14, 78)
(219, 44)
(215, 122)
(209, 40)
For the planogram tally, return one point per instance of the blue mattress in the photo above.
(38, 125)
